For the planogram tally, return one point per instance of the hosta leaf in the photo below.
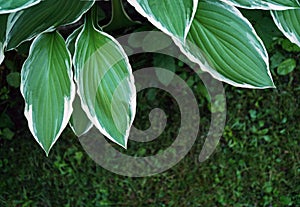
(9, 6)
(288, 22)
(79, 121)
(105, 83)
(265, 4)
(172, 17)
(3, 20)
(234, 52)
(71, 40)
(48, 89)
(46, 16)
(1, 52)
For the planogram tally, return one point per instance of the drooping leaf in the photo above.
(172, 17)
(10, 6)
(46, 16)
(288, 22)
(48, 88)
(1, 52)
(3, 20)
(265, 4)
(71, 40)
(105, 83)
(79, 122)
(225, 44)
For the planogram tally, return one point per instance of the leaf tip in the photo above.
(46, 150)
(125, 145)
(47, 153)
(122, 142)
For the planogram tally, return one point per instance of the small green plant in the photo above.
(212, 33)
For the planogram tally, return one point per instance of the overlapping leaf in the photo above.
(9, 6)
(172, 17)
(48, 89)
(47, 15)
(265, 4)
(225, 44)
(71, 40)
(79, 121)
(105, 83)
(288, 22)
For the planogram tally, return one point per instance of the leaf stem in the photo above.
(119, 18)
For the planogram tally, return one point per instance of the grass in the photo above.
(257, 163)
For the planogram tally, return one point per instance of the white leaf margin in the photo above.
(13, 17)
(2, 56)
(158, 24)
(70, 38)
(20, 8)
(262, 6)
(68, 101)
(205, 66)
(289, 34)
(132, 103)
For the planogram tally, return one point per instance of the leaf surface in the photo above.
(172, 17)
(46, 16)
(225, 44)
(288, 22)
(10, 6)
(105, 83)
(79, 122)
(265, 4)
(3, 20)
(48, 88)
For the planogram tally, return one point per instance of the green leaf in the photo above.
(1, 52)
(46, 16)
(233, 52)
(263, 25)
(174, 18)
(14, 79)
(79, 122)
(48, 88)
(71, 40)
(10, 6)
(285, 200)
(105, 83)
(3, 20)
(265, 4)
(286, 66)
(288, 22)
(287, 45)
(6, 121)
(6, 133)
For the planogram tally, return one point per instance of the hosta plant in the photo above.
(86, 79)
